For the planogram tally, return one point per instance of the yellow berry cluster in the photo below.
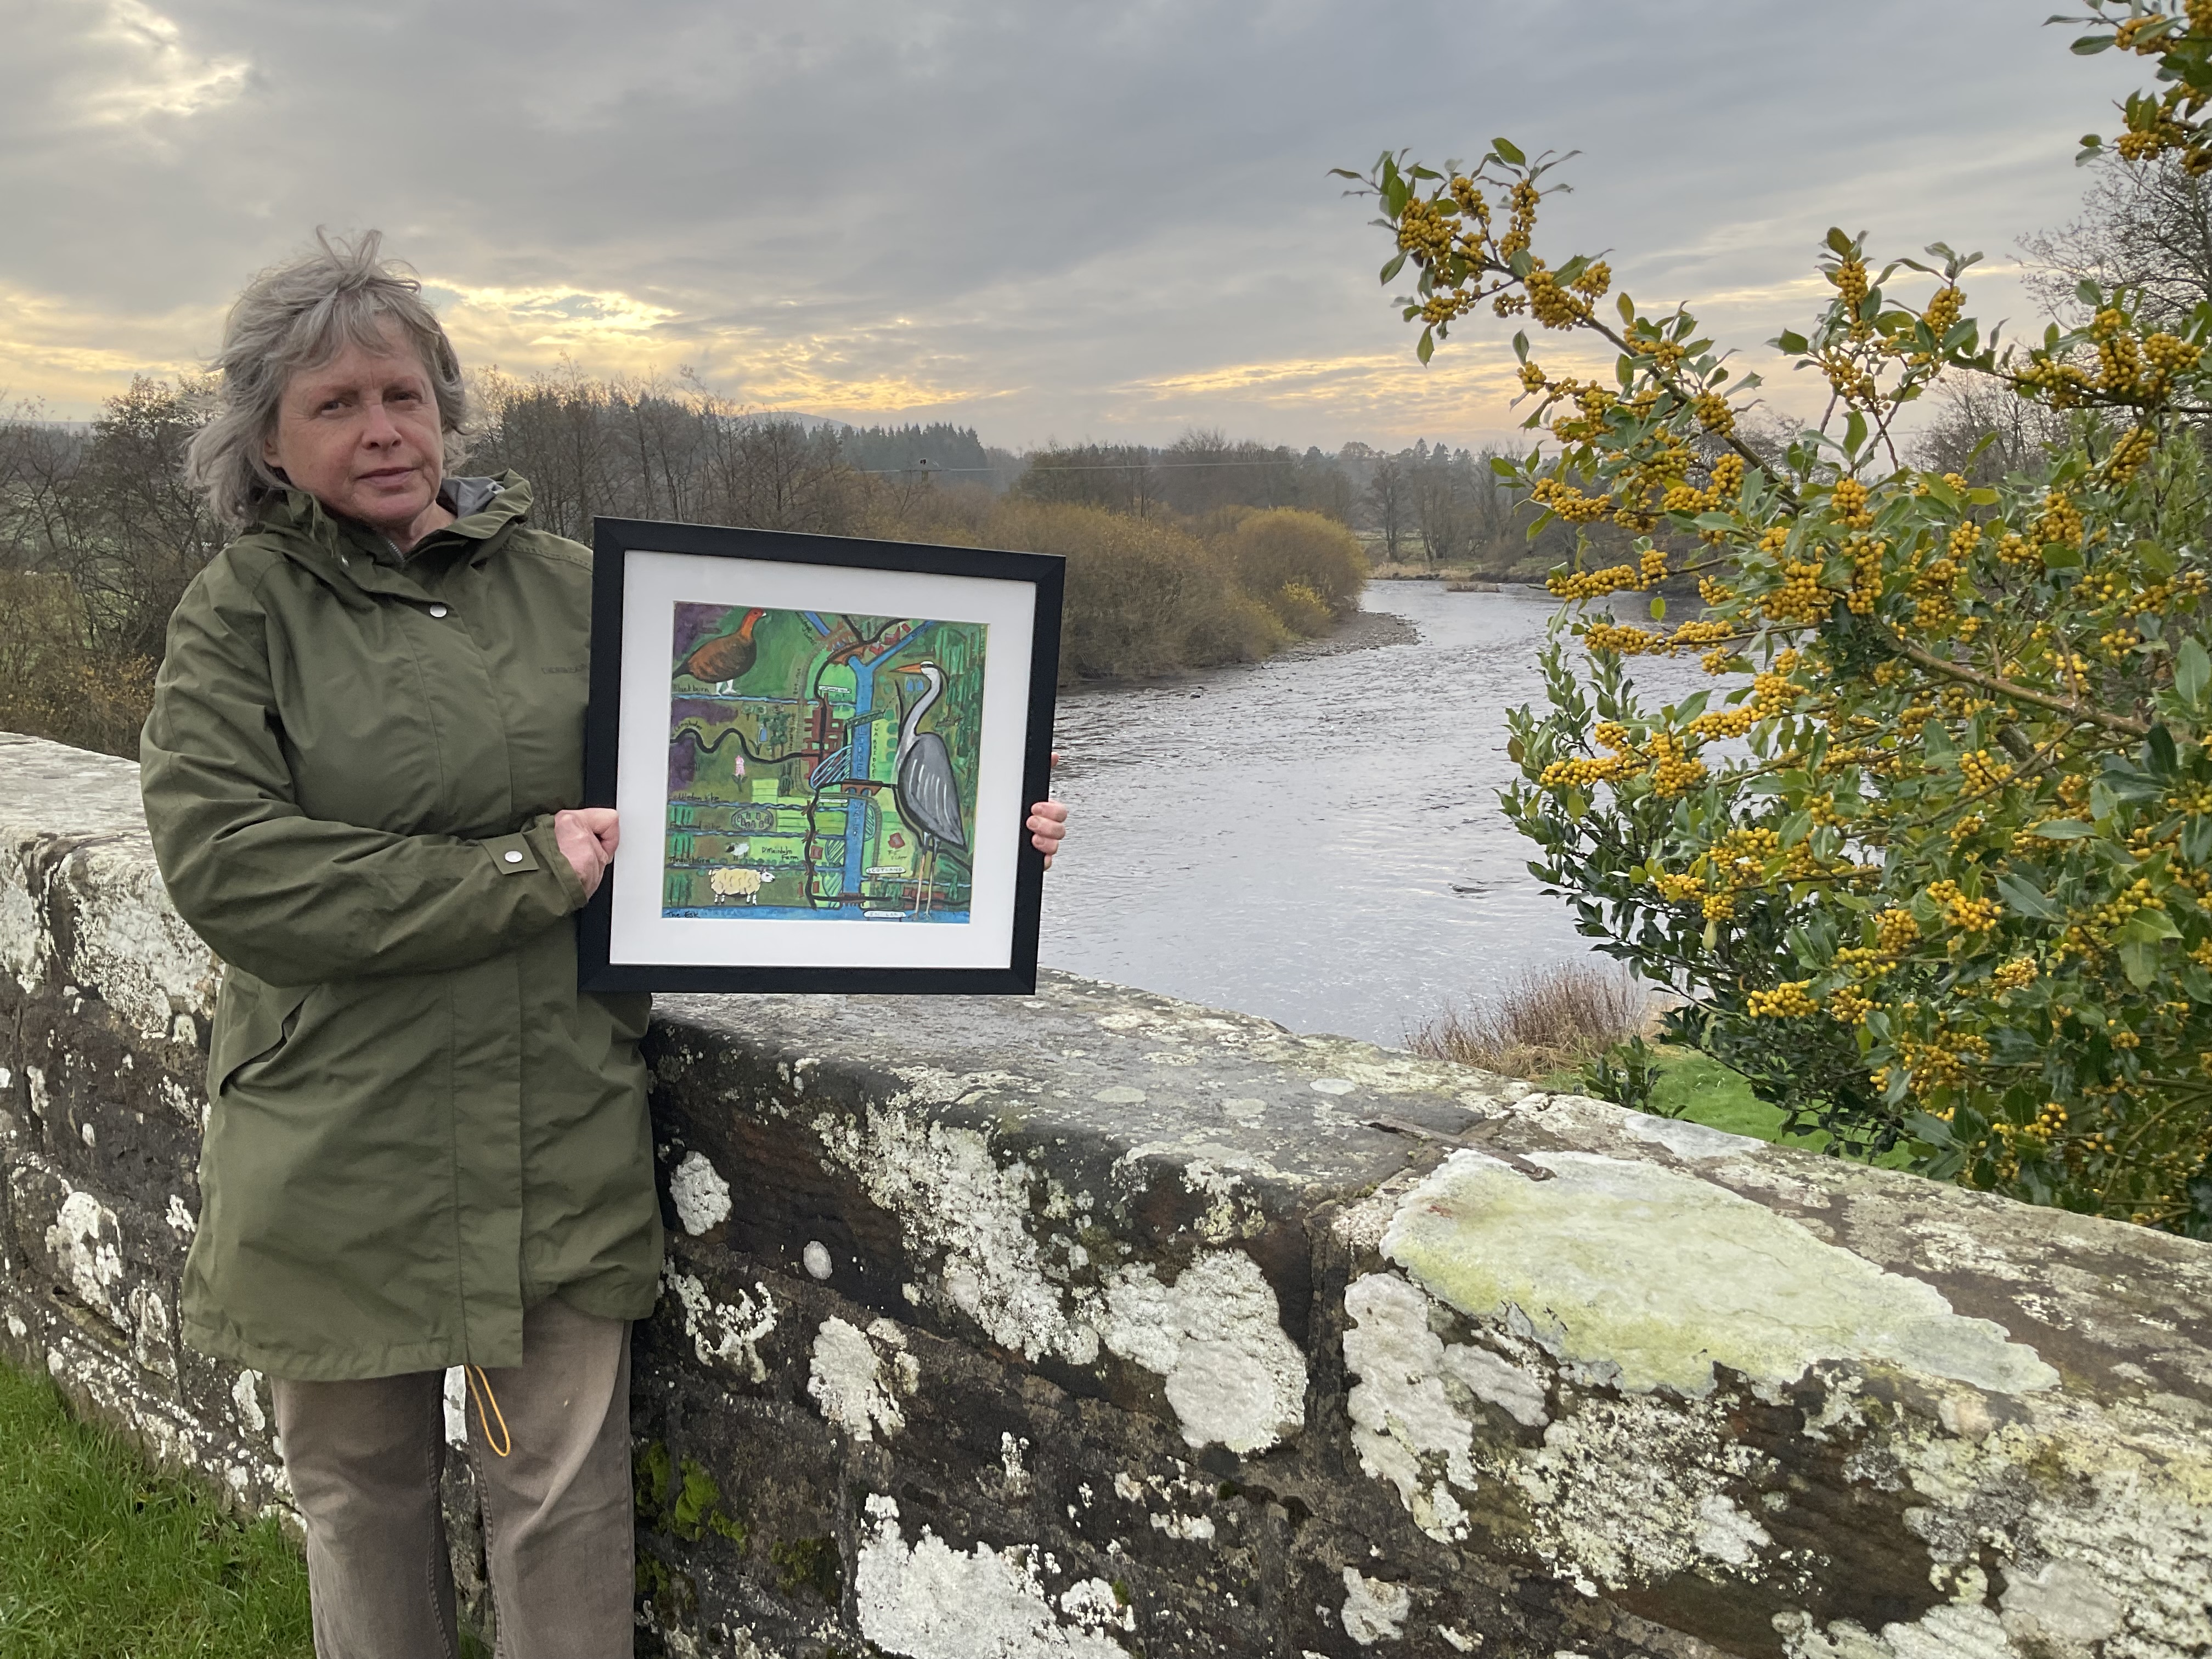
(1941, 1063)
(1866, 553)
(2019, 971)
(2039, 1132)
(1983, 771)
(2193, 798)
(1552, 305)
(1800, 598)
(2061, 383)
(2130, 451)
(1849, 276)
(1850, 503)
(1624, 641)
(1790, 1000)
(1596, 279)
(1673, 772)
(1773, 691)
(1568, 502)
(1714, 413)
(2015, 549)
(1968, 915)
(1895, 931)
(1691, 635)
(2060, 523)
(1591, 584)
(2170, 355)
(1425, 231)
(1725, 722)
(2119, 360)
(1867, 963)
(1580, 773)
(1850, 1005)
(2093, 934)
(1943, 311)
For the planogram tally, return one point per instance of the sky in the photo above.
(1085, 221)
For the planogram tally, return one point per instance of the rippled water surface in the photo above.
(1316, 839)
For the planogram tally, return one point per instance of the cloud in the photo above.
(132, 63)
(1104, 220)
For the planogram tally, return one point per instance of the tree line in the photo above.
(99, 535)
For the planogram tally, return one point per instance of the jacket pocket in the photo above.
(253, 1021)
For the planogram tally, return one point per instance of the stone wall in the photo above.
(1097, 1323)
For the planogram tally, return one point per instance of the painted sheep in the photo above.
(734, 882)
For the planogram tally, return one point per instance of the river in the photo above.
(1316, 838)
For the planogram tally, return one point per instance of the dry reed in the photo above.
(1549, 1019)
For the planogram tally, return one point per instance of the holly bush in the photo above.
(1931, 859)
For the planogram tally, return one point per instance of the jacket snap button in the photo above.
(511, 856)
(437, 610)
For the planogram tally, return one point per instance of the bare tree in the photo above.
(1389, 497)
(2148, 228)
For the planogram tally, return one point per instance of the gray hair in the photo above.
(296, 316)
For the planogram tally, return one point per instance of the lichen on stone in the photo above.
(846, 1381)
(1215, 1338)
(929, 1600)
(1665, 1276)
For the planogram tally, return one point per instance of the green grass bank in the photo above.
(103, 1558)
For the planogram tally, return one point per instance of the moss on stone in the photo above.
(810, 1564)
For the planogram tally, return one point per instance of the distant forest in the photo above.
(1175, 559)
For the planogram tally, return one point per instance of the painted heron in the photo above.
(924, 786)
(725, 659)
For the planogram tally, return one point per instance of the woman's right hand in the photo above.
(587, 837)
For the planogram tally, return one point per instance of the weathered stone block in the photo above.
(1094, 1323)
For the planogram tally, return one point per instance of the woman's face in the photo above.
(361, 435)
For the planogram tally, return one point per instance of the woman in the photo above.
(426, 1148)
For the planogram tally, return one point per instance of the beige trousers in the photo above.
(365, 1460)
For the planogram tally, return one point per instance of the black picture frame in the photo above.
(617, 546)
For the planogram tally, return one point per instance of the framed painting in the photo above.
(823, 751)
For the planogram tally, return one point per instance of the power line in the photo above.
(1086, 466)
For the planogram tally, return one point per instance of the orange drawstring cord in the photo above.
(478, 1381)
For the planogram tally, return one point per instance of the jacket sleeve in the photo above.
(295, 900)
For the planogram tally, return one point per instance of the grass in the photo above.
(102, 1558)
(1554, 1020)
(1699, 1088)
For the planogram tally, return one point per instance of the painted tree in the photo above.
(1933, 857)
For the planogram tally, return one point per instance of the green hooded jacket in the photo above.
(418, 1126)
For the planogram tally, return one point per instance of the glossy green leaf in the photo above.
(2029, 900)
(2193, 671)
